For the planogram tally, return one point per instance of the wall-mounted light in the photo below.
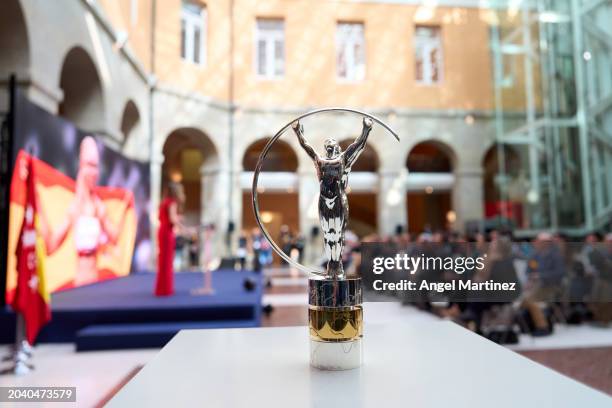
(120, 41)
(176, 176)
(267, 217)
(533, 196)
(552, 17)
(393, 197)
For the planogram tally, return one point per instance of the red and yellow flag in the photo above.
(31, 298)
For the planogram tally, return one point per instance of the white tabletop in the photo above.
(428, 364)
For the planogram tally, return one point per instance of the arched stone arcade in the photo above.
(15, 48)
(191, 158)
(278, 187)
(363, 193)
(429, 187)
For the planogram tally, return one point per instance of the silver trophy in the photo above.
(335, 314)
(333, 170)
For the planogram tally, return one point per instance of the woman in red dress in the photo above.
(169, 222)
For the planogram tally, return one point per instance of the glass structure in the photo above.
(553, 106)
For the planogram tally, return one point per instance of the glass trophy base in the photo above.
(336, 356)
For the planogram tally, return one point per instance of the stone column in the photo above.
(213, 207)
(467, 197)
(391, 200)
(236, 215)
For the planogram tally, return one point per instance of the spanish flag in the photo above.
(31, 298)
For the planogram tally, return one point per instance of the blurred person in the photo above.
(546, 271)
(87, 217)
(580, 289)
(439, 248)
(299, 244)
(262, 250)
(242, 251)
(294, 253)
(256, 248)
(181, 243)
(561, 242)
(608, 254)
(437, 237)
(499, 267)
(423, 247)
(589, 263)
(598, 263)
(546, 267)
(525, 249)
(480, 245)
(194, 249)
(582, 274)
(265, 254)
(424, 238)
(286, 241)
(169, 226)
(405, 241)
(592, 255)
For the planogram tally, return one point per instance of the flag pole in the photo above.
(22, 350)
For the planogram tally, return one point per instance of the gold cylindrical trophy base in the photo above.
(335, 320)
(335, 323)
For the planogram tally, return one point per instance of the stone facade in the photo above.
(170, 95)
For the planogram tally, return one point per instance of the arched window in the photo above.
(15, 55)
(280, 158)
(368, 160)
(130, 119)
(185, 151)
(429, 157)
(83, 102)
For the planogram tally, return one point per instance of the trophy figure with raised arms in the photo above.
(332, 170)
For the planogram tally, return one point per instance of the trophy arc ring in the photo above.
(335, 313)
(259, 165)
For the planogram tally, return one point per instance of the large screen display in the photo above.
(92, 202)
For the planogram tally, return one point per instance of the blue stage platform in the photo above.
(123, 313)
